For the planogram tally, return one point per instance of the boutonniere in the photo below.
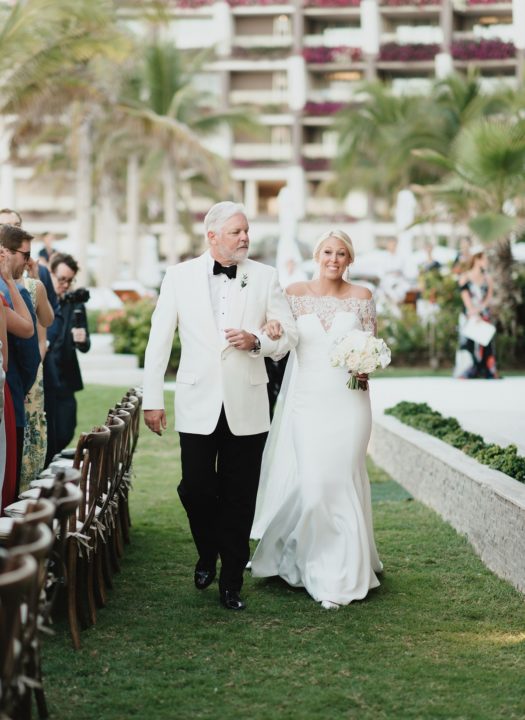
(244, 280)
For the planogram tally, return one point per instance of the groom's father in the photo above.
(219, 302)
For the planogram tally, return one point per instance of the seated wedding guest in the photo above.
(314, 513)
(474, 360)
(22, 340)
(72, 336)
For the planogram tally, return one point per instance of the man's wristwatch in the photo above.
(256, 345)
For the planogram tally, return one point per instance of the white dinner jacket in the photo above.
(211, 372)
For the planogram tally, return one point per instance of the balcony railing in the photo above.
(193, 4)
(410, 3)
(316, 164)
(255, 152)
(277, 98)
(323, 108)
(483, 50)
(396, 52)
(332, 3)
(489, 2)
(321, 55)
(254, 3)
(260, 53)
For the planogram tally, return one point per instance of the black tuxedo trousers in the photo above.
(220, 477)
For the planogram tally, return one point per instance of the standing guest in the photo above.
(462, 260)
(219, 303)
(472, 359)
(35, 433)
(6, 415)
(44, 254)
(73, 336)
(10, 217)
(50, 374)
(318, 533)
(24, 355)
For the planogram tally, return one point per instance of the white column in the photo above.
(132, 214)
(518, 21)
(7, 177)
(297, 185)
(370, 35)
(106, 235)
(250, 198)
(296, 82)
(224, 28)
(444, 65)
(84, 198)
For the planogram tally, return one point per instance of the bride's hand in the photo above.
(273, 329)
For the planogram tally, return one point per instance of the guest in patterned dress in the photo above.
(35, 431)
(472, 359)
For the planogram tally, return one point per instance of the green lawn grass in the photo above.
(441, 638)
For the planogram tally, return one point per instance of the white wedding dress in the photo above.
(314, 513)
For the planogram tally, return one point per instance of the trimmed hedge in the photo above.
(130, 328)
(422, 417)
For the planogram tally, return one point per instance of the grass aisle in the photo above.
(441, 638)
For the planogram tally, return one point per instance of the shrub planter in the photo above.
(485, 505)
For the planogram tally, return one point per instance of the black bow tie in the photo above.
(230, 271)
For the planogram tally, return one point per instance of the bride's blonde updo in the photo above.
(338, 235)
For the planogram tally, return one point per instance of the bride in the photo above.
(314, 513)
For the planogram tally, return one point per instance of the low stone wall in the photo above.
(485, 505)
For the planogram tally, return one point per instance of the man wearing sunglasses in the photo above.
(23, 352)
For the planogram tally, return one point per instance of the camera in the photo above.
(80, 295)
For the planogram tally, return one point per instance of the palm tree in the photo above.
(51, 60)
(376, 138)
(167, 121)
(379, 139)
(485, 169)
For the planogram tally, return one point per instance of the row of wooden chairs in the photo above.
(32, 569)
(84, 499)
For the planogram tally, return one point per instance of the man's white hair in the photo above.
(220, 213)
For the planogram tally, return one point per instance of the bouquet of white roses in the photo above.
(360, 353)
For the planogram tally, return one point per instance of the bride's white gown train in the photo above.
(314, 512)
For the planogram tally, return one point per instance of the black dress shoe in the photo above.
(204, 577)
(232, 600)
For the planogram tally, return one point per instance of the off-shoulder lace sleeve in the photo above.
(368, 316)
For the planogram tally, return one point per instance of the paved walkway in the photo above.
(493, 408)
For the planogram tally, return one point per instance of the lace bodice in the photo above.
(326, 307)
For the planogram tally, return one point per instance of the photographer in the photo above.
(73, 335)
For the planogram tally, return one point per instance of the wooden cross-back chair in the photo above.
(107, 509)
(33, 537)
(83, 531)
(131, 404)
(18, 576)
